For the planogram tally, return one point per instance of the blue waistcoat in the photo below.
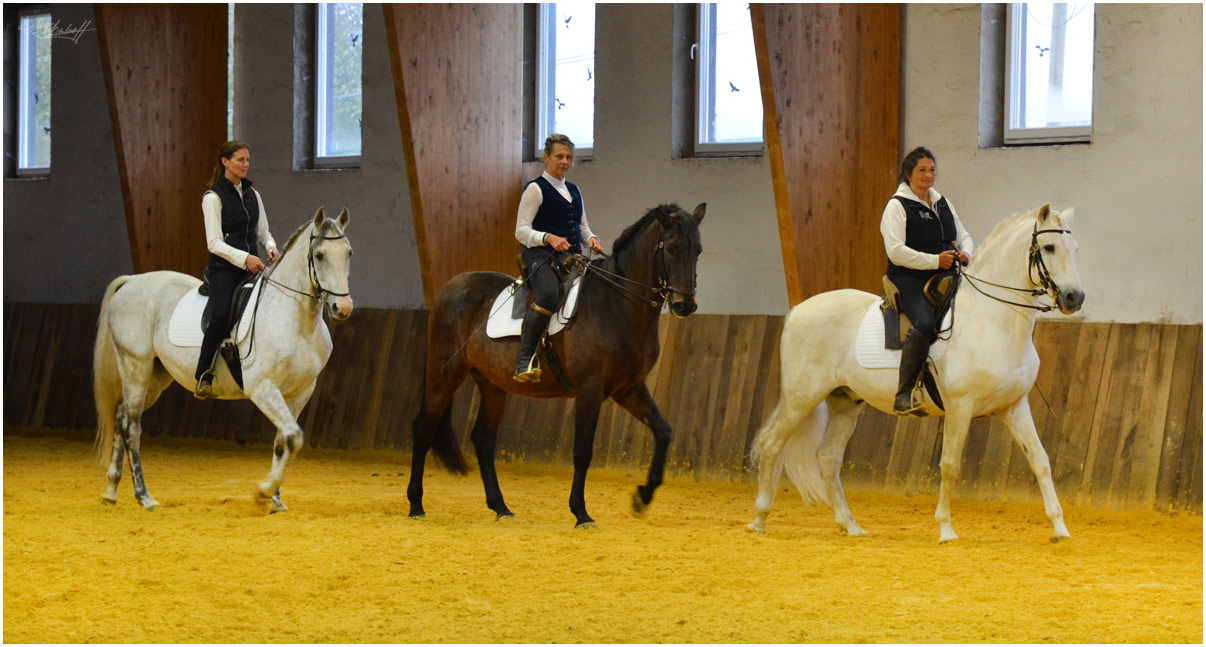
(558, 216)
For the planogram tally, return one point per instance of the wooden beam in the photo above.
(165, 73)
(830, 77)
(457, 75)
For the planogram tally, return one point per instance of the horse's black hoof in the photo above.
(639, 507)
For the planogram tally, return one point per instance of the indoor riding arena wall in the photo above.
(1118, 406)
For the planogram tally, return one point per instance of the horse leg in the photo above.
(954, 433)
(768, 448)
(1021, 425)
(639, 402)
(843, 413)
(137, 378)
(434, 410)
(485, 439)
(116, 460)
(586, 420)
(275, 504)
(267, 397)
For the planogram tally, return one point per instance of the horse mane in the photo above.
(327, 225)
(1003, 227)
(628, 235)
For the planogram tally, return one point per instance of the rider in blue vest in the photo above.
(923, 237)
(551, 221)
(235, 221)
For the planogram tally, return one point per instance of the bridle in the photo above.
(662, 290)
(1034, 262)
(322, 293)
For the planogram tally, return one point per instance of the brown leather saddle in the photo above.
(939, 291)
(565, 268)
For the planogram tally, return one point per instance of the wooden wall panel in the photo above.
(165, 73)
(457, 75)
(830, 76)
(1117, 406)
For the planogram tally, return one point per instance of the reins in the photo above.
(1048, 288)
(663, 288)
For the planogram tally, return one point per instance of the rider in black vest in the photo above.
(234, 223)
(923, 237)
(551, 221)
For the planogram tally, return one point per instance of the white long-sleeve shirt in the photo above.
(211, 206)
(530, 203)
(893, 223)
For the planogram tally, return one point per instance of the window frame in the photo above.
(1015, 34)
(321, 40)
(546, 71)
(704, 54)
(24, 106)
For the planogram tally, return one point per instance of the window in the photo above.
(1049, 73)
(565, 75)
(33, 95)
(728, 94)
(339, 99)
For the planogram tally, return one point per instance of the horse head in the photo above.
(676, 256)
(1053, 258)
(330, 261)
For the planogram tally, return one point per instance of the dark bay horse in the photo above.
(606, 352)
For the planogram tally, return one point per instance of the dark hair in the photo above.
(557, 138)
(227, 151)
(910, 162)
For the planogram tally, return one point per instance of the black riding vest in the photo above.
(558, 216)
(240, 218)
(930, 231)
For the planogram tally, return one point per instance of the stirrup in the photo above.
(531, 374)
(205, 389)
(914, 403)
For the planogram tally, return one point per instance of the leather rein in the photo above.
(1035, 255)
(663, 289)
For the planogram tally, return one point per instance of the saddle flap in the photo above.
(896, 322)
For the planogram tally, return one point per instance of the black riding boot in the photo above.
(912, 358)
(535, 323)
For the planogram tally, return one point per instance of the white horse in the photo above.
(987, 368)
(134, 361)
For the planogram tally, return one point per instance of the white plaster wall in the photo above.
(741, 268)
(1137, 188)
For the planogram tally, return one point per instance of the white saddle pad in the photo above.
(184, 329)
(501, 324)
(869, 343)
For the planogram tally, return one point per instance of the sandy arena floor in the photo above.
(345, 564)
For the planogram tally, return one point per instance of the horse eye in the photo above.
(319, 256)
(1049, 249)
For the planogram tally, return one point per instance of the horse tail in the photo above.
(443, 441)
(797, 459)
(106, 381)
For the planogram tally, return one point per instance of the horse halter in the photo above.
(1034, 261)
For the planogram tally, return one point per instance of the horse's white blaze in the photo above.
(281, 362)
(988, 368)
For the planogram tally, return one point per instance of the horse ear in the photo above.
(665, 217)
(1067, 215)
(319, 217)
(699, 212)
(344, 216)
(1044, 212)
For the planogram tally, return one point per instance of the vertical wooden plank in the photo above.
(369, 424)
(1189, 487)
(1100, 426)
(1076, 427)
(1125, 405)
(458, 78)
(1140, 487)
(169, 117)
(1177, 422)
(830, 91)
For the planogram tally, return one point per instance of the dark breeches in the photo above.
(222, 284)
(915, 305)
(542, 278)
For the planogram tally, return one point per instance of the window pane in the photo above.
(340, 27)
(1052, 61)
(567, 92)
(730, 106)
(33, 141)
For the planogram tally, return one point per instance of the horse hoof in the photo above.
(639, 507)
(587, 525)
(150, 506)
(277, 506)
(419, 515)
(504, 517)
(108, 501)
(946, 541)
(756, 527)
(1059, 539)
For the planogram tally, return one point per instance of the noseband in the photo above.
(1034, 261)
(664, 289)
